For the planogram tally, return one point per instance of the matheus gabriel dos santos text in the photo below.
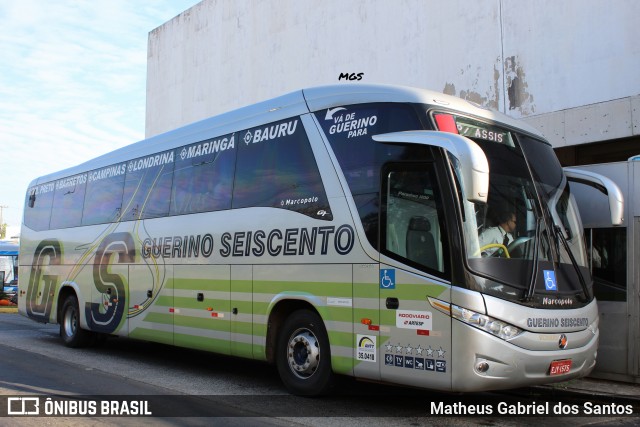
(533, 408)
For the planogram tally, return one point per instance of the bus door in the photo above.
(415, 339)
(415, 271)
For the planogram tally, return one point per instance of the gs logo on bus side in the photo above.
(104, 316)
(41, 282)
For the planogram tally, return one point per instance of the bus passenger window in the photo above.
(37, 212)
(276, 168)
(413, 225)
(203, 176)
(103, 200)
(147, 189)
(68, 201)
(361, 158)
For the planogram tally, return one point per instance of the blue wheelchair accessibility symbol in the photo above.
(387, 279)
(550, 280)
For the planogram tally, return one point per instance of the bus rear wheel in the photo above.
(70, 331)
(303, 355)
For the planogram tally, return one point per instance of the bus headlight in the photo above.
(486, 323)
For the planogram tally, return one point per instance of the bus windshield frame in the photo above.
(526, 243)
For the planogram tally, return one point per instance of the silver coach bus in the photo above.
(333, 230)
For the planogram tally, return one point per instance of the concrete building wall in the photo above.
(570, 67)
(602, 121)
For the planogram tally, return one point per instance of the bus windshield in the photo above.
(525, 244)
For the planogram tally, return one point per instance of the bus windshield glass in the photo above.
(525, 244)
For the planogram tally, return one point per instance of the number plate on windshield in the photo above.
(559, 367)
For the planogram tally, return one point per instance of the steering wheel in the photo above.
(517, 247)
(494, 245)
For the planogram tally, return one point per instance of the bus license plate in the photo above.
(559, 367)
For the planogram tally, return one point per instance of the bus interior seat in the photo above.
(421, 246)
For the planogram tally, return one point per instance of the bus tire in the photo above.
(70, 331)
(303, 355)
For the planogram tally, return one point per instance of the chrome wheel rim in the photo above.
(303, 353)
(70, 322)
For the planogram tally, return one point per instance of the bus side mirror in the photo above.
(473, 164)
(605, 186)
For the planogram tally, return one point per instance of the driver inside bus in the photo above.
(501, 234)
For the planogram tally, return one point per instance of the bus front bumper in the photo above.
(484, 362)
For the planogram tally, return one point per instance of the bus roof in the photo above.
(282, 107)
(322, 97)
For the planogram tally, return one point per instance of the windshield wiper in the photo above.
(574, 263)
(536, 257)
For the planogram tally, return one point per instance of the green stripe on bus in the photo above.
(200, 343)
(339, 314)
(185, 302)
(388, 317)
(164, 301)
(366, 290)
(201, 284)
(209, 323)
(329, 313)
(343, 339)
(260, 307)
(245, 328)
(315, 288)
(362, 313)
(415, 292)
(244, 307)
(342, 365)
(163, 318)
(163, 337)
(260, 329)
(259, 352)
(242, 349)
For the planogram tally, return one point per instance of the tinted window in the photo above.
(68, 201)
(147, 187)
(103, 201)
(38, 206)
(203, 178)
(276, 168)
(413, 223)
(349, 130)
(607, 249)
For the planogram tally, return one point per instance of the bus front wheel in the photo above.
(303, 356)
(70, 331)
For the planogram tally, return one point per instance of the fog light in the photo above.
(482, 367)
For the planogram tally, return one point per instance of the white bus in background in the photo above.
(333, 230)
(613, 254)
